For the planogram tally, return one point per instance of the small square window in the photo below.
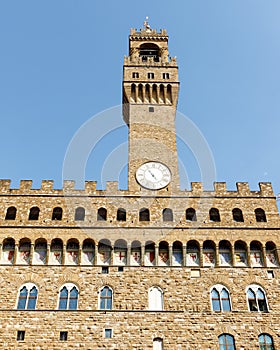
(120, 269)
(105, 269)
(195, 273)
(270, 274)
(165, 75)
(135, 75)
(108, 333)
(151, 75)
(20, 335)
(151, 109)
(63, 336)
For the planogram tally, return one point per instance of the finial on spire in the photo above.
(146, 24)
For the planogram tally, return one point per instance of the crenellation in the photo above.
(220, 188)
(243, 189)
(25, 185)
(47, 186)
(5, 186)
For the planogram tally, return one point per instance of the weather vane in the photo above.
(146, 24)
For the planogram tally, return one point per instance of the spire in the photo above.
(146, 25)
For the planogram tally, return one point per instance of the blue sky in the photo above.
(61, 63)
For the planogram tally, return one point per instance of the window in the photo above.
(80, 214)
(226, 342)
(108, 333)
(57, 213)
(144, 214)
(220, 298)
(260, 215)
(135, 75)
(165, 75)
(106, 296)
(11, 213)
(157, 344)
(68, 297)
(190, 214)
(63, 336)
(121, 214)
(105, 270)
(34, 213)
(237, 215)
(167, 214)
(20, 335)
(27, 297)
(266, 342)
(102, 214)
(155, 298)
(151, 109)
(214, 215)
(149, 50)
(256, 298)
(151, 75)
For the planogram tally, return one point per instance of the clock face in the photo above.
(153, 175)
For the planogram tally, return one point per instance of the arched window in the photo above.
(11, 213)
(266, 342)
(24, 251)
(190, 214)
(88, 251)
(237, 215)
(8, 251)
(68, 297)
(163, 254)
(240, 253)
(80, 214)
(155, 298)
(27, 297)
(102, 214)
(256, 255)
(220, 298)
(72, 252)
(157, 344)
(226, 342)
(209, 258)
(256, 298)
(144, 214)
(121, 214)
(214, 215)
(271, 254)
(40, 252)
(34, 213)
(57, 213)
(56, 252)
(260, 215)
(193, 257)
(167, 214)
(225, 253)
(149, 50)
(106, 296)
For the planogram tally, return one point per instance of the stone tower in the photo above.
(150, 95)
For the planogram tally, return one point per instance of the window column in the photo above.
(217, 256)
(79, 255)
(48, 253)
(233, 255)
(142, 255)
(184, 255)
(95, 254)
(170, 253)
(31, 253)
(128, 254)
(248, 255)
(156, 255)
(16, 253)
(63, 254)
(264, 256)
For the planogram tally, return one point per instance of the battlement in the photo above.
(170, 62)
(152, 34)
(112, 188)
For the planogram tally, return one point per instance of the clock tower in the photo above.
(150, 95)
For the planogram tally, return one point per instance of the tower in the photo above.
(150, 95)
